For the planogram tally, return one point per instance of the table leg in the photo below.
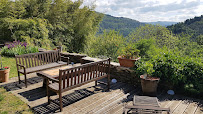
(44, 83)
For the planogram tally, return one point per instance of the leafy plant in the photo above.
(129, 52)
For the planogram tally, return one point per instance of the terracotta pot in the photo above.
(4, 75)
(149, 85)
(127, 62)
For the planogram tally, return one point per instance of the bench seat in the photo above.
(43, 67)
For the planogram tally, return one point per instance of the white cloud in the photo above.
(150, 10)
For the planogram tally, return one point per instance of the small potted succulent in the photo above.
(4, 73)
(128, 56)
(148, 82)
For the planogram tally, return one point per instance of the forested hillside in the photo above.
(192, 27)
(124, 25)
(162, 23)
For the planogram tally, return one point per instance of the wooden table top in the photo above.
(55, 71)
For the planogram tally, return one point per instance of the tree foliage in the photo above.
(62, 22)
(192, 27)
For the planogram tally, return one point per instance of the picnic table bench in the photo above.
(33, 62)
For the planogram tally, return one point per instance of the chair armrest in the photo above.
(21, 65)
(52, 79)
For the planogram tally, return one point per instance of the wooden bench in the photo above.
(77, 76)
(33, 62)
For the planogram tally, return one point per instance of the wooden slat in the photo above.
(181, 108)
(64, 78)
(55, 56)
(82, 75)
(79, 75)
(19, 62)
(71, 77)
(45, 58)
(42, 59)
(85, 73)
(97, 70)
(91, 72)
(100, 69)
(26, 62)
(75, 77)
(23, 61)
(48, 59)
(35, 62)
(191, 108)
(29, 61)
(52, 57)
(199, 110)
(94, 69)
(32, 61)
(68, 78)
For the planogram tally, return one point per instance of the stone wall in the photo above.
(122, 74)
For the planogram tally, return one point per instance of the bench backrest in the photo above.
(37, 59)
(77, 76)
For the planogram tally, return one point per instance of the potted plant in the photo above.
(4, 73)
(148, 82)
(128, 56)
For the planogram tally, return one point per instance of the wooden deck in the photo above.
(94, 100)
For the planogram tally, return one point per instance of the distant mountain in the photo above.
(192, 27)
(162, 23)
(124, 25)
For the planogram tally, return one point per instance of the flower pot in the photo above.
(149, 85)
(127, 62)
(4, 75)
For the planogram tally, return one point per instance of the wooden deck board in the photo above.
(102, 100)
(191, 108)
(181, 107)
(199, 110)
(94, 100)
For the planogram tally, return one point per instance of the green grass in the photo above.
(10, 62)
(10, 104)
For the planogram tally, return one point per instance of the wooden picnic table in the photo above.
(54, 73)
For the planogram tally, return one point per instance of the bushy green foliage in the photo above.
(106, 44)
(129, 52)
(42, 22)
(175, 71)
(161, 35)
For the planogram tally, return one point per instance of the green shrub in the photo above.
(184, 74)
(106, 45)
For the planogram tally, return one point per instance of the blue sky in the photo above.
(150, 10)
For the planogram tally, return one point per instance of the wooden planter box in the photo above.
(149, 86)
(4, 75)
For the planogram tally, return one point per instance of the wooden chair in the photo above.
(145, 105)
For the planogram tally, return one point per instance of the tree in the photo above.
(161, 35)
